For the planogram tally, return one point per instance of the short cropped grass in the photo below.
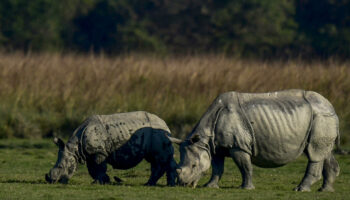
(23, 164)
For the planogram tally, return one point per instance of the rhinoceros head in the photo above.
(194, 160)
(65, 166)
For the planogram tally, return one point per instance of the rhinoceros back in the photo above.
(280, 122)
(106, 133)
(157, 123)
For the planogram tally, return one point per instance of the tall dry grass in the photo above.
(49, 94)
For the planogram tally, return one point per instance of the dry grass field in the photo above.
(46, 94)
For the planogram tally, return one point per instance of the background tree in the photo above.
(259, 28)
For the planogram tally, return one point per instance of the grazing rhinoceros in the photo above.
(122, 140)
(266, 129)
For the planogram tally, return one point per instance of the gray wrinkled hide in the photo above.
(266, 129)
(123, 140)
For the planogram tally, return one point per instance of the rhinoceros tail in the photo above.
(338, 149)
(337, 141)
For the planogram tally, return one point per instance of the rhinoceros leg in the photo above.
(329, 172)
(321, 142)
(312, 174)
(97, 167)
(157, 170)
(217, 171)
(243, 161)
(171, 172)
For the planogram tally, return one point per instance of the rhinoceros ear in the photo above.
(59, 143)
(195, 139)
(174, 140)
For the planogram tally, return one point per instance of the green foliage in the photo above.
(30, 24)
(246, 28)
(325, 24)
(253, 27)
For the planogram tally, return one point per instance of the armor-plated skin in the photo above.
(122, 140)
(265, 129)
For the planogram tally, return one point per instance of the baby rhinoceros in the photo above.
(122, 140)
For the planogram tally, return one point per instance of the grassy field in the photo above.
(23, 164)
(51, 94)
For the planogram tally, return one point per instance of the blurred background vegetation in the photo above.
(61, 61)
(50, 94)
(249, 28)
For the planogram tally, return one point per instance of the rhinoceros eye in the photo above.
(193, 166)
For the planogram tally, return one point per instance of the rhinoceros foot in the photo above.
(103, 179)
(247, 187)
(302, 189)
(211, 185)
(326, 189)
(149, 184)
(171, 184)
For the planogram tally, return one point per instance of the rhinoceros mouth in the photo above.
(63, 180)
(188, 184)
(49, 179)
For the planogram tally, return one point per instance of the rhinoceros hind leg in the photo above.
(312, 174)
(157, 170)
(217, 171)
(243, 161)
(171, 172)
(98, 171)
(330, 171)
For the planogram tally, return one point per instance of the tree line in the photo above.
(263, 28)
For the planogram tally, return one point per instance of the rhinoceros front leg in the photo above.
(157, 170)
(97, 167)
(217, 171)
(243, 161)
(312, 174)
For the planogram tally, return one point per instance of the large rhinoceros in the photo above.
(266, 129)
(122, 140)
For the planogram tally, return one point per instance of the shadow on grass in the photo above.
(25, 145)
(221, 187)
(43, 182)
(24, 181)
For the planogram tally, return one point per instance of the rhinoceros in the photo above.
(265, 129)
(121, 140)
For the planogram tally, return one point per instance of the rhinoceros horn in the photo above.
(175, 140)
(59, 143)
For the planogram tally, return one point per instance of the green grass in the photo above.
(23, 164)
